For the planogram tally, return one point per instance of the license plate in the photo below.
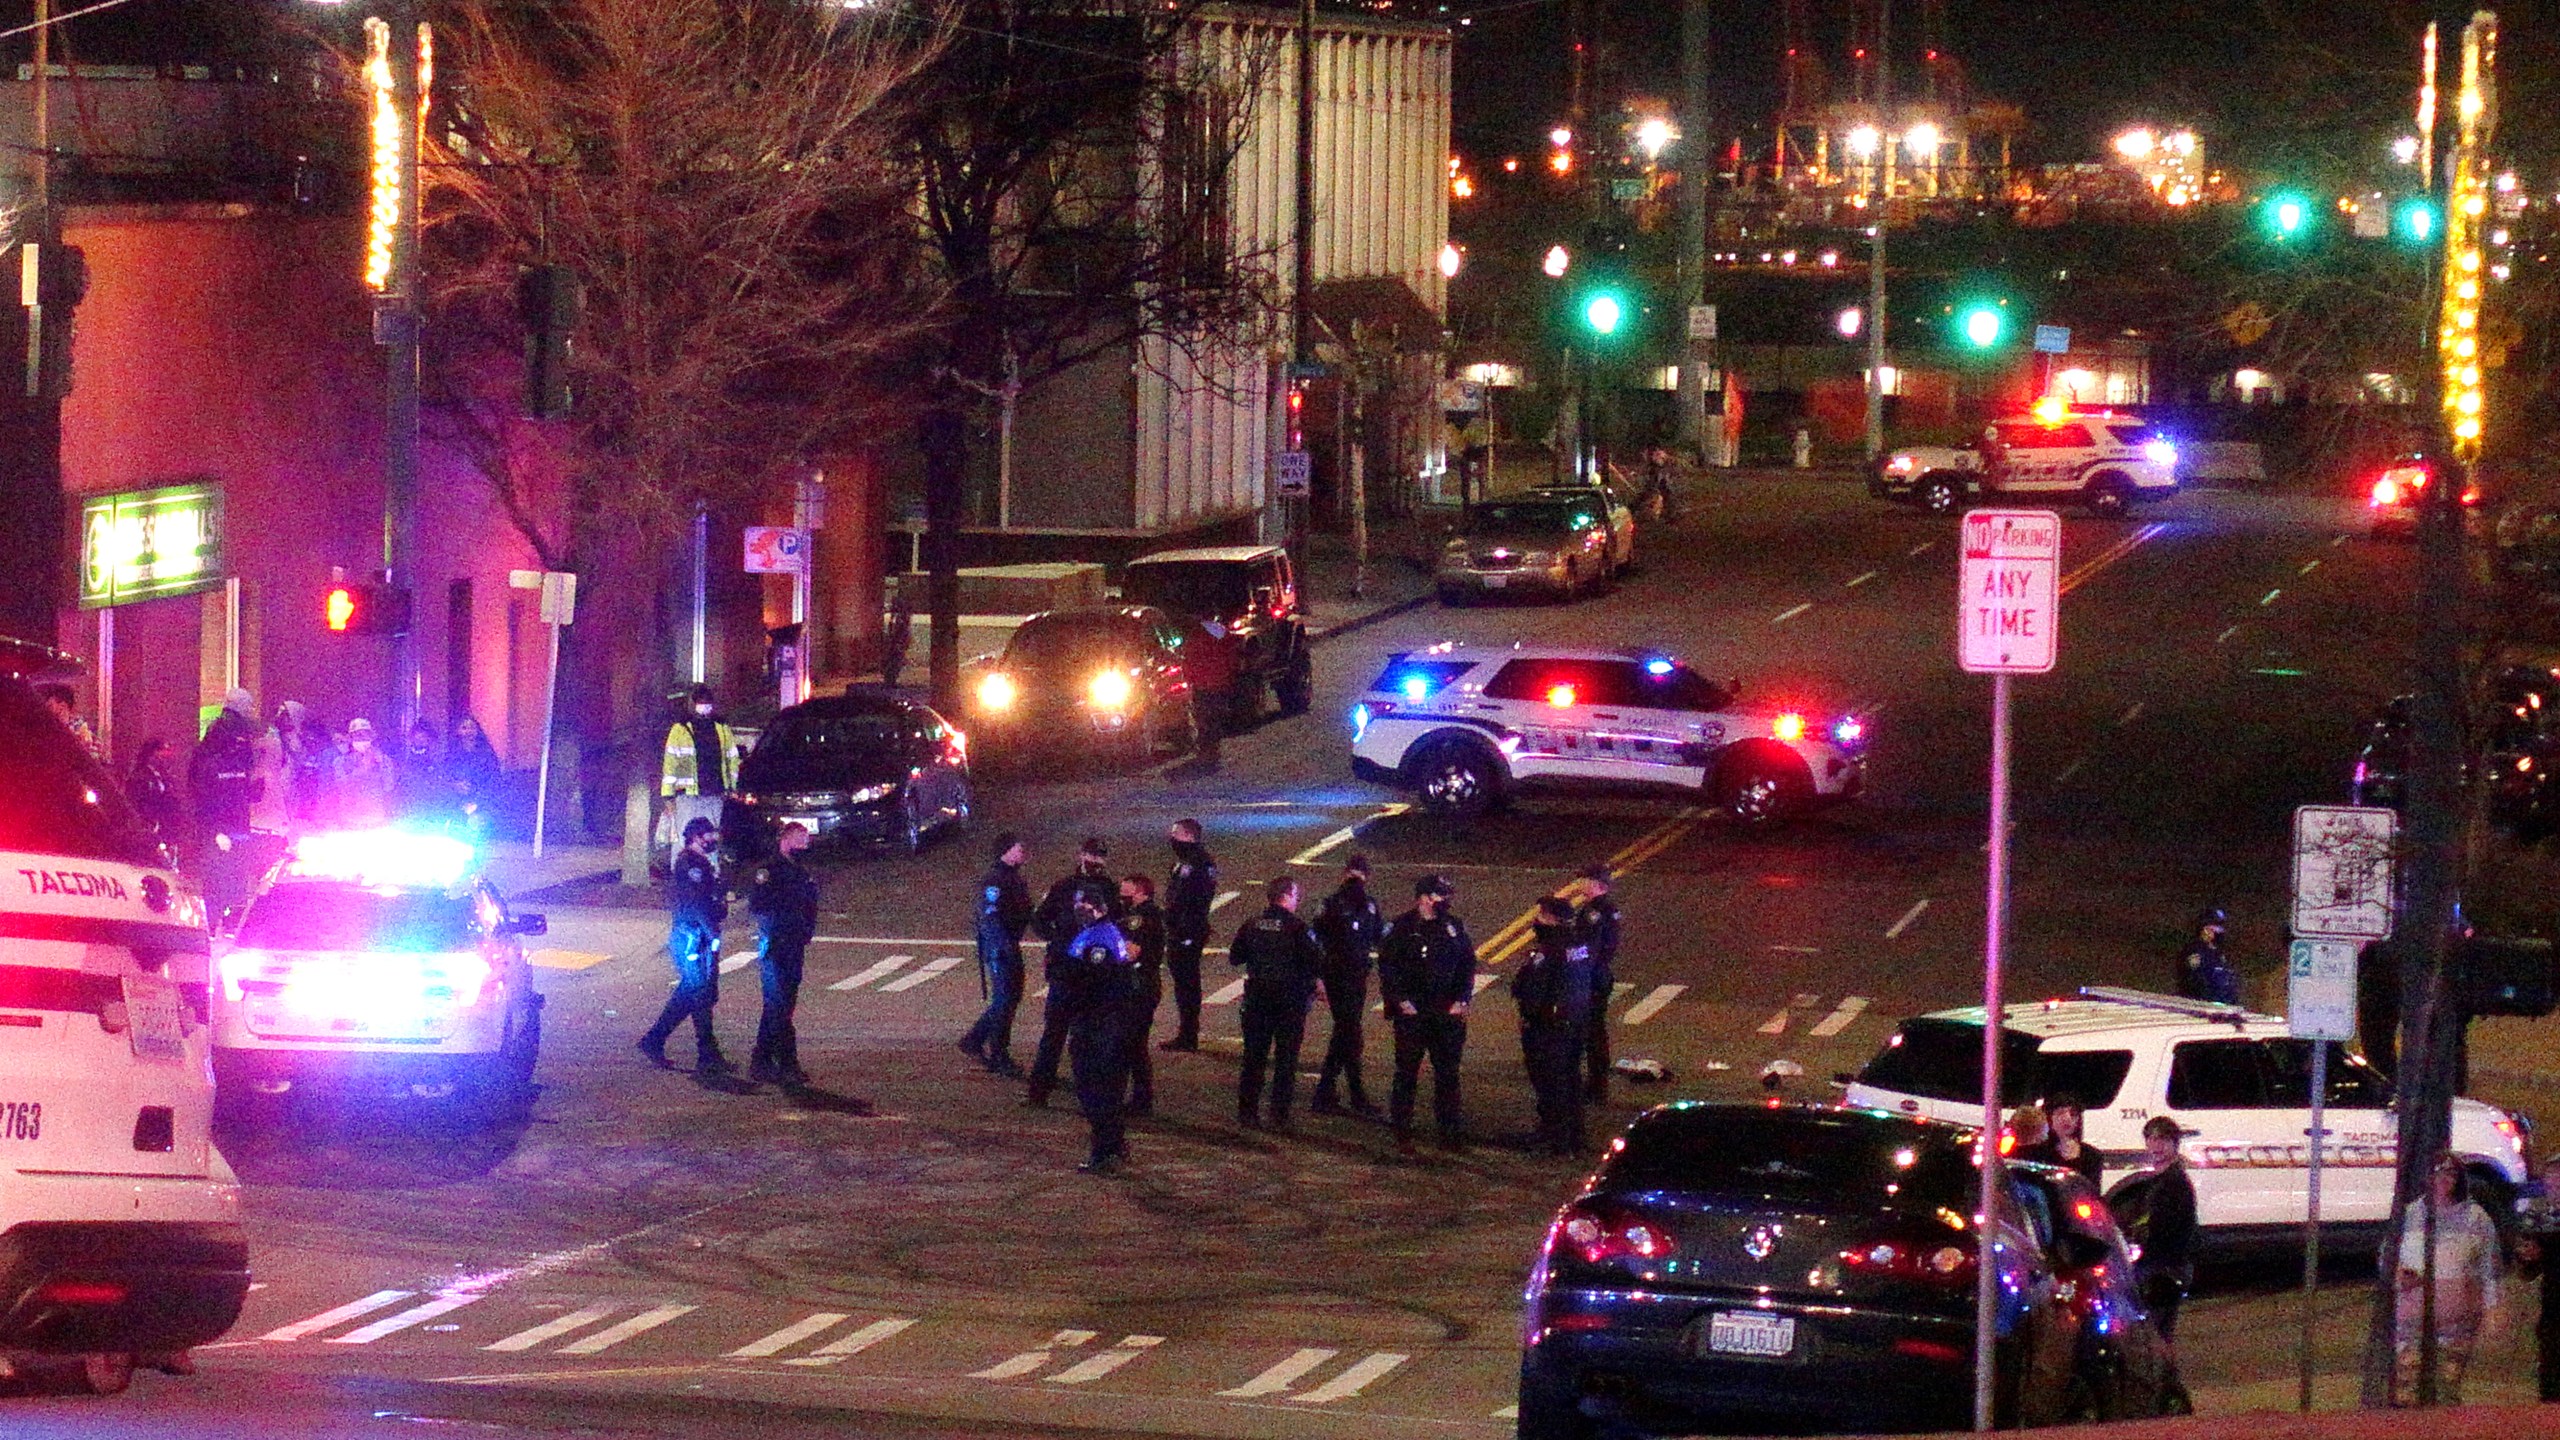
(157, 1018)
(1767, 1337)
(1496, 582)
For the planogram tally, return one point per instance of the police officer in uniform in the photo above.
(1553, 990)
(785, 903)
(699, 900)
(2204, 971)
(1597, 919)
(1142, 920)
(1427, 977)
(1060, 925)
(1348, 927)
(1004, 909)
(1099, 978)
(1188, 893)
(1280, 959)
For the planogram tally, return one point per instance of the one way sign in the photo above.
(2007, 607)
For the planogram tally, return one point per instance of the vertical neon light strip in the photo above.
(382, 229)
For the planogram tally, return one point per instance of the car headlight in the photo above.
(1110, 690)
(2162, 453)
(997, 691)
(871, 794)
(1901, 465)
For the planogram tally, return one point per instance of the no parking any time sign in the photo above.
(2008, 610)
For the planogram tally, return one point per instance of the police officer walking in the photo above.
(1143, 922)
(1099, 979)
(699, 900)
(2204, 971)
(1188, 893)
(1280, 959)
(785, 903)
(1597, 919)
(1427, 977)
(1004, 909)
(1348, 927)
(1553, 990)
(1060, 925)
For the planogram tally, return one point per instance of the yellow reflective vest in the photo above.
(680, 774)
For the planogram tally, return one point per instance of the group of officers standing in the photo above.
(1111, 945)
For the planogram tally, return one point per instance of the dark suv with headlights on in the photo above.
(1097, 678)
(865, 766)
(1243, 598)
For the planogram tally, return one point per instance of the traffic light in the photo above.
(549, 301)
(1982, 324)
(352, 608)
(2288, 214)
(1604, 312)
(2414, 220)
(1297, 415)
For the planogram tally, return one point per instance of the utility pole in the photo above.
(31, 421)
(1875, 243)
(395, 328)
(1697, 179)
(1302, 282)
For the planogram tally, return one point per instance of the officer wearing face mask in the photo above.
(1553, 990)
(698, 764)
(1059, 924)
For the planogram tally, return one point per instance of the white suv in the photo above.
(2110, 461)
(2236, 1082)
(1461, 726)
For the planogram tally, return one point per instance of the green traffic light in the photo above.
(1982, 326)
(1603, 313)
(2416, 221)
(2288, 214)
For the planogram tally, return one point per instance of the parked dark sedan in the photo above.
(1105, 678)
(1792, 1267)
(865, 766)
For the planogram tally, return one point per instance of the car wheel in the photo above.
(1938, 494)
(2110, 497)
(106, 1372)
(1549, 1408)
(1457, 779)
(1297, 688)
(1760, 796)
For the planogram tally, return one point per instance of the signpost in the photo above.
(1292, 475)
(2007, 620)
(2053, 339)
(559, 606)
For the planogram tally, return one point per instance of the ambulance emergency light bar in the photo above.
(397, 858)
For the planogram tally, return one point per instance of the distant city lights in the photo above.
(1863, 141)
(1922, 140)
(1451, 258)
(1654, 135)
(1849, 322)
(2405, 149)
(1558, 261)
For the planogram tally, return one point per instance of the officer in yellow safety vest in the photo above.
(699, 764)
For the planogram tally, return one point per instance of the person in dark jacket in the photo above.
(473, 774)
(155, 794)
(699, 900)
(1553, 990)
(1280, 959)
(1189, 891)
(2539, 1249)
(785, 902)
(1099, 977)
(2062, 1143)
(1427, 978)
(1348, 926)
(2162, 1220)
(2204, 971)
(1143, 922)
(1057, 923)
(1597, 919)
(1004, 911)
(222, 779)
(419, 792)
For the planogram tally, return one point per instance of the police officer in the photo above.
(1059, 924)
(1427, 977)
(699, 900)
(1004, 909)
(1143, 922)
(1597, 919)
(2204, 971)
(1188, 893)
(1553, 990)
(1280, 958)
(1348, 927)
(1099, 978)
(785, 903)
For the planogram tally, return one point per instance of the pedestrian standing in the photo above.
(698, 763)
(2540, 1251)
(2466, 1286)
(419, 792)
(1188, 893)
(785, 903)
(155, 794)
(365, 779)
(2204, 971)
(1099, 981)
(1552, 987)
(2163, 1222)
(1209, 663)
(222, 779)
(699, 901)
(1597, 919)
(897, 633)
(1143, 922)
(472, 774)
(306, 757)
(1427, 977)
(2062, 1144)
(1060, 925)
(1004, 910)
(1280, 959)
(1347, 926)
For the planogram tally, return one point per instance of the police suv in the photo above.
(2106, 460)
(1462, 726)
(2238, 1083)
(373, 966)
(120, 1233)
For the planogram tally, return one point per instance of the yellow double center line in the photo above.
(1512, 938)
(2104, 558)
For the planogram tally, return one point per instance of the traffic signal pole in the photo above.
(396, 321)
(1875, 242)
(1697, 177)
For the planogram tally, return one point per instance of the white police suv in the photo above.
(1462, 726)
(2238, 1083)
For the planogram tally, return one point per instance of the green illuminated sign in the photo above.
(150, 544)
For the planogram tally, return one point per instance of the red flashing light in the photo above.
(1560, 696)
(80, 1292)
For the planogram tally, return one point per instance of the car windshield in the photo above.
(1201, 588)
(1792, 1156)
(351, 917)
(1532, 517)
(1070, 643)
(817, 736)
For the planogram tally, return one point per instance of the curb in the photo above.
(1369, 618)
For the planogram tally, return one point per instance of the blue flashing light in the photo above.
(1416, 688)
(1359, 722)
(390, 858)
(1657, 667)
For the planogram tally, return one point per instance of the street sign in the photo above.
(1309, 370)
(2342, 871)
(1293, 474)
(2053, 339)
(150, 544)
(2320, 993)
(1702, 322)
(2008, 611)
(1463, 396)
(777, 550)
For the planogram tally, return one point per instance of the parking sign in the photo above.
(2007, 607)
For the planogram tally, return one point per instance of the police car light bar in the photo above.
(380, 857)
(2174, 1004)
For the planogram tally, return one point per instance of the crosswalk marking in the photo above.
(939, 964)
(1507, 1412)
(550, 1330)
(1651, 1005)
(788, 1336)
(1085, 1372)
(1030, 1360)
(735, 963)
(888, 964)
(834, 1351)
(613, 1335)
(331, 1319)
(1775, 1024)
(1353, 1380)
(1484, 980)
(1228, 994)
(414, 1315)
(1281, 1376)
(1225, 898)
(1840, 1017)
(1920, 906)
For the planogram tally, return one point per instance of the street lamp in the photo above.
(2137, 143)
(1654, 135)
(1451, 258)
(1982, 325)
(1922, 140)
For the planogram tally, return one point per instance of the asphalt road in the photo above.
(646, 1240)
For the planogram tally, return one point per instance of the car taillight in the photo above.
(959, 745)
(1931, 1264)
(80, 1292)
(2386, 491)
(1596, 1236)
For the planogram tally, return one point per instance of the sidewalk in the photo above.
(511, 866)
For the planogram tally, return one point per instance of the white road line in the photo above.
(1775, 1024)
(1909, 918)
(613, 1335)
(2064, 778)
(789, 1335)
(885, 966)
(331, 1319)
(1841, 1017)
(2307, 567)
(1352, 1381)
(1343, 836)
(1227, 994)
(938, 965)
(1224, 899)
(1507, 1412)
(1651, 1005)
(1783, 616)
(414, 1315)
(552, 1329)
(2270, 597)
(1030, 1360)
(1860, 580)
(2132, 713)
(1796, 949)
(735, 963)
(1087, 1371)
(1280, 1377)
(835, 1351)
(2341, 540)
(1923, 548)
(1483, 981)
(1620, 991)
(2226, 635)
